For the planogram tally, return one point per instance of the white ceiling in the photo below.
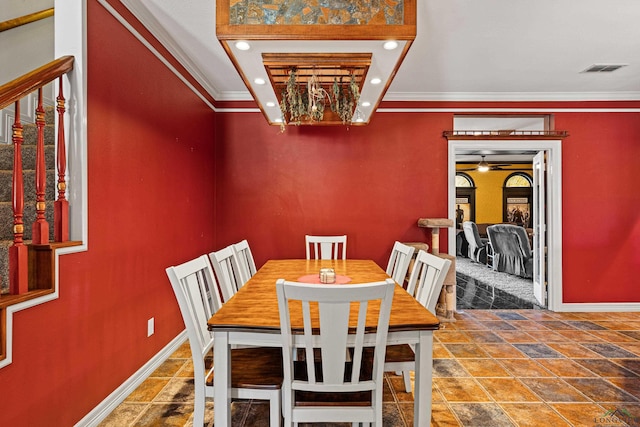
(465, 50)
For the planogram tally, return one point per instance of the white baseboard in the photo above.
(600, 307)
(107, 406)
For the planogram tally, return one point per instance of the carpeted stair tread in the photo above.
(28, 157)
(29, 182)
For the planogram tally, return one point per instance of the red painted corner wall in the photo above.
(150, 202)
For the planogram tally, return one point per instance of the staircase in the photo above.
(28, 165)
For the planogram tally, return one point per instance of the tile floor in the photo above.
(492, 368)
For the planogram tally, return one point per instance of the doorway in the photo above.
(552, 252)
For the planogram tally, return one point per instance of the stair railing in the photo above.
(13, 92)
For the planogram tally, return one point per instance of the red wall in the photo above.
(374, 182)
(151, 202)
(601, 236)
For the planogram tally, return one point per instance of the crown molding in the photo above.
(158, 30)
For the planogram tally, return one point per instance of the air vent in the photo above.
(603, 68)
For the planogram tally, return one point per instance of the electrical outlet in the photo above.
(150, 327)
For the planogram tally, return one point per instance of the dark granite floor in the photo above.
(474, 294)
(491, 368)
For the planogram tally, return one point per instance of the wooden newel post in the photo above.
(40, 234)
(61, 205)
(18, 252)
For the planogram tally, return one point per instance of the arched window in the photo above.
(517, 199)
(518, 179)
(465, 199)
(464, 180)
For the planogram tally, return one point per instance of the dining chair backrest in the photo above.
(427, 278)
(227, 271)
(194, 285)
(245, 260)
(256, 372)
(335, 355)
(326, 247)
(399, 262)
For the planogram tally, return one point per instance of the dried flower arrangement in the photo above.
(301, 103)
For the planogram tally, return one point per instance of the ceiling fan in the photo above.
(485, 166)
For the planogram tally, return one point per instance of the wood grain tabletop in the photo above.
(255, 305)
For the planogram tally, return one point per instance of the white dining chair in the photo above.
(245, 260)
(399, 261)
(326, 247)
(341, 369)
(425, 284)
(225, 264)
(256, 372)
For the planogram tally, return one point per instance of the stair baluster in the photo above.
(61, 205)
(40, 233)
(18, 252)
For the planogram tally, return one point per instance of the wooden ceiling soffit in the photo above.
(298, 20)
(328, 41)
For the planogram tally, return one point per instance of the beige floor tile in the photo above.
(503, 351)
(565, 368)
(484, 368)
(584, 414)
(533, 415)
(453, 336)
(525, 368)
(461, 390)
(507, 390)
(148, 390)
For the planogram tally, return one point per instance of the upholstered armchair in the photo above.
(511, 250)
(477, 245)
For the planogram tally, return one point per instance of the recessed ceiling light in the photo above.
(359, 120)
(259, 81)
(278, 120)
(366, 104)
(376, 81)
(243, 45)
(271, 104)
(390, 45)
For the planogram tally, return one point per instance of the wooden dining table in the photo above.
(251, 317)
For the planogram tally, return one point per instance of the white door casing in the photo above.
(553, 151)
(539, 229)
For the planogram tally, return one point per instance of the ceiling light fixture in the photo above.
(271, 104)
(242, 45)
(390, 45)
(483, 166)
(376, 81)
(366, 104)
(259, 81)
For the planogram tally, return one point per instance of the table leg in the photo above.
(423, 380)
(222, 379)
